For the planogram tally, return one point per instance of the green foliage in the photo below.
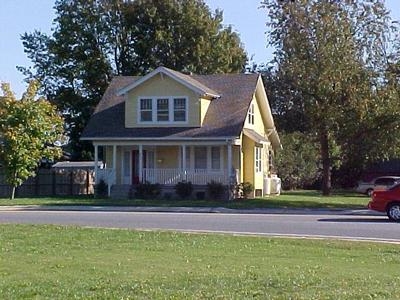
(29, 129)
(147, 190)
(298, 161)
(215, 190)
(331, 74)
(184, 189)
(244, 189)
(92, 41)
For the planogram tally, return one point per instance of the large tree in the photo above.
(332, 57)
(93, 40)
(29, 129)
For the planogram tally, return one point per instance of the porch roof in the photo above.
(256, 137)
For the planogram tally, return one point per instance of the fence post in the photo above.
(53, 182)
(87, 181)
(71, 182)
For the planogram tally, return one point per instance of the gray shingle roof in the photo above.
(224, 118)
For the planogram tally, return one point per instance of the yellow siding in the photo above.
(203, 108)
(258, 125)
(248, 162)
(167, 157)
(160, 86)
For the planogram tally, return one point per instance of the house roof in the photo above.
(225, 116)
(256, 137)
(83, 165)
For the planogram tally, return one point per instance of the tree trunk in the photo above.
(326, 163)
(13, 192)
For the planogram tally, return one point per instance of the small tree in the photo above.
(29, 129)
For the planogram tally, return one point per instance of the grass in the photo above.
(55, 262)
(293, 199)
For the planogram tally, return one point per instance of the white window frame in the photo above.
(171, 110)
(250, 114)
(147, 110)
(258, 159)
(190, 158)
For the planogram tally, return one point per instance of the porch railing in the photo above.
(173, 176)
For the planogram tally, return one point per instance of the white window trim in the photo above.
(191, 164)
(251, 115)
(258, 164)
(170, 110)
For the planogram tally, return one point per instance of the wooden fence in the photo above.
(51, 182)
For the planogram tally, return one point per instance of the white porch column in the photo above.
(140, 163)
(184, 161)
(115, 157)
(96, 161)
(229, 166)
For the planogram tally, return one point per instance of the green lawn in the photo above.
(294, 199)
(53, 262)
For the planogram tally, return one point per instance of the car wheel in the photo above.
(369, 192)
(393, 211)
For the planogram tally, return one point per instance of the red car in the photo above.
(387, 201)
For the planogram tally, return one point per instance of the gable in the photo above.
(160, 86)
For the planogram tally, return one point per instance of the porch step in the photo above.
(120, 191)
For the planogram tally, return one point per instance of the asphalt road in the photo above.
(345, 225)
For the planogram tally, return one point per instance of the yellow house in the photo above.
(167, 127)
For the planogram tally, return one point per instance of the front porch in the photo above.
(167, 163)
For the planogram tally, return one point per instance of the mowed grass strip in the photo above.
(291, 199)
(53, 262)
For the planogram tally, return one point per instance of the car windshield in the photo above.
(396, 186)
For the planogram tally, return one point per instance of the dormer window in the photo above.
(146, 110)
(250, 114)
(163, 110)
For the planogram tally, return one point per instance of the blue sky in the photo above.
(19, 16)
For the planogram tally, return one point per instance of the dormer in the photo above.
(166, 98)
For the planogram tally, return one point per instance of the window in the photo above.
(250, 114)
(163, 110)
(258, 159)
(146, 111)
(200, 158)
(179, 110)
(215, 158)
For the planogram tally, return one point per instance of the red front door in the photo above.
(135, 165)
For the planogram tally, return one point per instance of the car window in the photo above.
(384, 181)
(395, 187)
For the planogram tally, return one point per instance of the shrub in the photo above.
(184, 189)
(147, 190)
(215, 190)
(244, 189)
(101, 189)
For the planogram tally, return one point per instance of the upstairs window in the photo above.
(250, 114)
(163, 110)
(179, 109)
(146, 111)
